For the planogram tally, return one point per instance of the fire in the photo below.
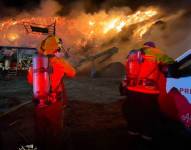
(139, 33)
(96, 28)
(118, 23)
(111, 25)
(120, 26)
(91, 23)
(12, 36)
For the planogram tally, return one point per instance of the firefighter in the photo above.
(49, 83)
(143, 69)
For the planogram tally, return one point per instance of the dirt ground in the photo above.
(93, 119)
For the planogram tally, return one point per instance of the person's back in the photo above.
(60, 67)
(48, 113)
(143, 90)
(143, 68)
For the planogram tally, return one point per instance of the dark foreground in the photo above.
(93, 122)
(89, 126)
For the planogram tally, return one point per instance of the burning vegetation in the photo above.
(85, 28)
(87, 33)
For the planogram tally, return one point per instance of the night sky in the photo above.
(20, 4)
(13, 7)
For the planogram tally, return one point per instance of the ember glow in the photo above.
(12, 36)
(84, 29)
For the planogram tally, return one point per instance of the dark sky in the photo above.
(24, 4)
(95, 5)
(20, 4)
(12, 7)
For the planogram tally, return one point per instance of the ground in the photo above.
(93, 119)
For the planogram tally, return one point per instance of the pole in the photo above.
(17, 60)
(54, 28)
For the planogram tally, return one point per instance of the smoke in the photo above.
(171, 32)
(14, 7)
(92, 6)
(14, 33)
(11, 8)
(48, 8)
(82, 25)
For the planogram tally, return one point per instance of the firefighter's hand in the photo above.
(173, 70)
(163, 68)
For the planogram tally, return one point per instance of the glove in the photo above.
(163, 68)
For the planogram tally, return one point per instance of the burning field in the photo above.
(90, 30)
(85, 29)
(87, 33)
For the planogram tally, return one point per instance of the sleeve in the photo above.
(161, 57)
(30, 76)
(69, 70)
(165, 59)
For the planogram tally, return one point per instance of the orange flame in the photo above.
(118, 23)
(97, 28)
(12, 36)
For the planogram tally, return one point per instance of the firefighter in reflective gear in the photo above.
(143, 89)
(49, 108)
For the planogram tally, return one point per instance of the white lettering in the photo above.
(185, 90)
(186, 117)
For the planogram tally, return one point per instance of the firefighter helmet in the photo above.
(51, 45)
(150, 44)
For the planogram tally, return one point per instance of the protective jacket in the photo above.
(59, 69)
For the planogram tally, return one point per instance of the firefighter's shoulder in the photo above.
(62, 63)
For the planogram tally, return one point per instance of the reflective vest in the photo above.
(142, 73)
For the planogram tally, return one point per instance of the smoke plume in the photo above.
(88, 27)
